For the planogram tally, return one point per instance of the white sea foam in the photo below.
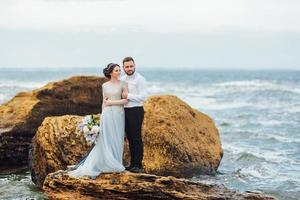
(182, 88)
(272, 122)
(284, 139)
(267, 172)
(198, 102)
(196, 96)
(253, 173)
(205, 96)
(22, 84)
(294, 109)
(155, 89)
(236, 150)
(232, 148)
(247, 83)
(260, 172)
(2, 97)
(253, 85)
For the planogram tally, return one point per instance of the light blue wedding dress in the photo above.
(107, 154)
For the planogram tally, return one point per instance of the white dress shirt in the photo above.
(137, 90)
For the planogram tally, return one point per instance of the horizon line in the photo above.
(160, 68)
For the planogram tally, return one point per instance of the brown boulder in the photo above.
(136, 186)
(57, 143)
(178, 140)
(22, 115)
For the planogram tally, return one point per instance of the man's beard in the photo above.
(131, 73)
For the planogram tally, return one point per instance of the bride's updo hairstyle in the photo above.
(108, 69)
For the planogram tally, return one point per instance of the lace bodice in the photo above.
(113, 90)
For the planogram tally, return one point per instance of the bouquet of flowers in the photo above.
(90, 126)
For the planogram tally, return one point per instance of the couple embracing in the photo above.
(122, 113)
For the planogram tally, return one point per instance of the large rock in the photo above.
(178, 140)
(137, 186)
(57, 143)
(21, 116)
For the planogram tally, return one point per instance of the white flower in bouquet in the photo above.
(91, 138)
(95, 129)
(87, 119)
(86, 130)
(90, 127)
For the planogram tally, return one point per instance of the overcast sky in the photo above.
(245, 34)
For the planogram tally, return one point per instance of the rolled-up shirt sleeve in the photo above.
(142, 92)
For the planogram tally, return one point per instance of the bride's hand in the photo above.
(107, 102)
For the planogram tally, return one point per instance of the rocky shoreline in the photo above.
(179, 142)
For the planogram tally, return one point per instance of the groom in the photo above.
(134, 113)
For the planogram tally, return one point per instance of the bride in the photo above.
(107, 154)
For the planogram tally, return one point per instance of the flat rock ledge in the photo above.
(127, 185)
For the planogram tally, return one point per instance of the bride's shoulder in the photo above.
(105, 84)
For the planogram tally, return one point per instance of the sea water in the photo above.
(257, 113)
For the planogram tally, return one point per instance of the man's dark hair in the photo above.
(127, 59)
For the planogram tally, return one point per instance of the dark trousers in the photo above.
(133, 127)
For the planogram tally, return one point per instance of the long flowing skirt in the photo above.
(107, 154)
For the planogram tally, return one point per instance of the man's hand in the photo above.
(125, 91)
(124, 94)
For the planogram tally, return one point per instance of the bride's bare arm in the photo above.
(109, 102)
(103, 98)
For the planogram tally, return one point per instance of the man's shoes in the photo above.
(137, 170)
(128, 168)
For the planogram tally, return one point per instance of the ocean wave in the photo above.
(274, 122)
(201, 103)
(283, 139)
(249, 157)
(267, 172)
(253, 85)
(247, 83)
(2, 97)
(22, 84)
(156, 89)
(241, 151)
(232, 149)
(19, 186)
(3, 181)
(182, 88)
(212, 103)
(227, 105)
(231, 95)
(224, 88)
(258, 172)
(294, 109)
